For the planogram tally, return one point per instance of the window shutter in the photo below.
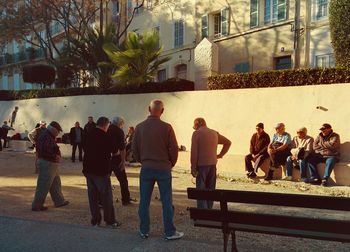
(225, 15)
(205, 26)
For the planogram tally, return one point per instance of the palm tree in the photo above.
(140, 60)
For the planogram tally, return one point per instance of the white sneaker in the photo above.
(176, 236)
(287, 178)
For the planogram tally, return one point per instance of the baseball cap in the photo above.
(260, 125)
(56, 125)
(325, 126)
(279, 125)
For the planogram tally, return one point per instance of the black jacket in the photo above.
(72, 135)
(89, 126)
(97, 153)
(259, 144)
(116, 137)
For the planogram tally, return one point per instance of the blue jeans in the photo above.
(100, 189)
(317, 158)
(206, 179)
(148, 177)
(301, 163)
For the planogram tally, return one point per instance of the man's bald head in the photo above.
(156, 108)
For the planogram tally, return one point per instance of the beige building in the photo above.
(226, 36)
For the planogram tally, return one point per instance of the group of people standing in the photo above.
(302, 152)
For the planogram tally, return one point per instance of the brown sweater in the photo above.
(204, 147)
(154, 144)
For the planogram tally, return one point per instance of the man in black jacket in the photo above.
(258, 150)
(89, 125)
(76, 139)
(117, 139)
(96, 168)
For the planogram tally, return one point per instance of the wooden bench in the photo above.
(235, 219)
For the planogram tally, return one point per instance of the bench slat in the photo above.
(273, 220)
(266, 198)
(276, 231)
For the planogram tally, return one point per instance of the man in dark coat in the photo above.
(76, 139)
(89, 125)
(96, 169)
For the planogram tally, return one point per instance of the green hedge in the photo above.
(279, 78)
(171, 85)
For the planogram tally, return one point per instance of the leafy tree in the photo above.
(139, 61)
(339, 22)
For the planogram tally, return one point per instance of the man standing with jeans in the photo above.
(96, 168)
(155, 146)
(326, 150)
(204, 157)
(76, 139)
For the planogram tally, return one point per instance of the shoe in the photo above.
(129, 202)
(305, 180)
(251, 174)
(37, 209)
(324, 182)
(96, 225)
(287, 178)
(143, 236)
(315, 181)
(114, 225)
(269, 176)
(176, 236)
(65, 203)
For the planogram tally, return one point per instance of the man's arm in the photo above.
(333, 143)
(194, 154)
(226, 145)
(32, 135)
(251, 149)
(173, 147)
(266, 143)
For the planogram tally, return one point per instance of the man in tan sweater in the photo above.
(155, 146)
(204, 157)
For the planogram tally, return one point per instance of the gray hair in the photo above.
(156, 105)
(118, 120)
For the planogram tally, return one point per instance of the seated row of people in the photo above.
(302, 152)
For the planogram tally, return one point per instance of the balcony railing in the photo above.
(28, 54)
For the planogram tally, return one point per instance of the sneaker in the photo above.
(287, 178)
(176, 236)
(315, 181)
(65, 203)
(143, 236)
(129, 202)
(251, 174)
(269, 176)
(37, 209)
(114, 225)
(324, 182)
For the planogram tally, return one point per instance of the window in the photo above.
(130, 8)
(161, 75)
(217, 25)
(283, 63)
(321, 9)
(16, 82)
(205, 30)
(181, 71)
(157, 30)
(224, 21)
(325, 61)
(275, 11)
(5, 82)
(178, 33)
(242, 67)
(254, 13)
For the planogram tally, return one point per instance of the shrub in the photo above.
(339, 23)
(171, 85)
(280, 78)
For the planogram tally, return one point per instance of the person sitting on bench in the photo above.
(301, 149)
(258, 150)
(279, 149)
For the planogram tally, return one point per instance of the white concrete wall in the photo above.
(234, 113)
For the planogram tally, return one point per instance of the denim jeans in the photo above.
(206, 179)
(48, 181)
(302, 164)
(100, 189)
(317, 158)
(148, 177)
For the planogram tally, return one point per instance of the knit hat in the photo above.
(260, 125)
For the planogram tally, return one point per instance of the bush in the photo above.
(171, 85)
(280, 78)
(339, 23)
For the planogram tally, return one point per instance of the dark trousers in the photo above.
(5, 142)
(100, 189)
(122, 178)
(279, 158)
(206, 179)
(257, 163)
(74, 148)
